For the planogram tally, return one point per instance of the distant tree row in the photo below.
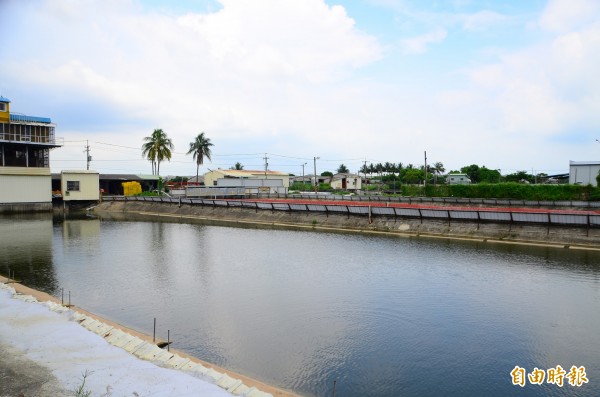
(483, 174)
(435, 172)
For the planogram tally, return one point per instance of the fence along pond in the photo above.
(582, 219)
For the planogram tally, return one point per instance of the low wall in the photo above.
(25, 207)
(574, 237)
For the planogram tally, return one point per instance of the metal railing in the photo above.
(445, 200)
(587, 220)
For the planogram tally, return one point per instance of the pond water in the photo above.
(380, 316)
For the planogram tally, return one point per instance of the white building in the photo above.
(346, 182)
(584, 172)
(211, 178)
(80, 185)
(458, 179)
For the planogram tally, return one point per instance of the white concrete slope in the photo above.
(116, 363)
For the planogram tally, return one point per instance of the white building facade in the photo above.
(583, 172)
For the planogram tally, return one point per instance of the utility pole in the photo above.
(315, 165)
(87, 154)
(425, 181)
(266, 164)
(303, 172)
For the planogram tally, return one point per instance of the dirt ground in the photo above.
(20, 376)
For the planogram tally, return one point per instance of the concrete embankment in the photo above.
(140, 345)
(559, 236)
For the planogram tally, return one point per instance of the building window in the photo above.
(2, 107)
(72, 186)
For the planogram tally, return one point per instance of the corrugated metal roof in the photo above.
(29, 119)
(584, 162)
(5, 100)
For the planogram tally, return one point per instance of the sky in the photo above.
(55, 342)
(511, 85)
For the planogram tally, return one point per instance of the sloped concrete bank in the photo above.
(138, 344)
(565, 237)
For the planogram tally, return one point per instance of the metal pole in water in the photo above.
(62, 296)
(69, 298)
(333, 394)
(154, 333)
(168, 340)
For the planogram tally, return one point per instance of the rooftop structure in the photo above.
(25, 144)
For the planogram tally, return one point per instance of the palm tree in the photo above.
(388, 167)
(238, 166)
(157, 148)
(200, 148)
(342, 169)
(372, 169)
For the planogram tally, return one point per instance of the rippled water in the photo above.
(380, 316)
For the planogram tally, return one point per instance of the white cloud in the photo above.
(420, 44)
(297, 77)
(564, 15)
(247, 69)
(537, 101)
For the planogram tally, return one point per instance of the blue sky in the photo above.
(511, 85)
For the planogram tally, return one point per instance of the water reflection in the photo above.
(381, 316)
(26, 243)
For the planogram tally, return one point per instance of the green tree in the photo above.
(412, 175)
(481, 174)
(327, 173)
(519, 176)
(179, 179)
(342, 169)
(157, 148)
(364, 169)
(472, 172)
(372, 169)
(388, 167)
(238, 166)
(489, 176)
(438, 168)
(200, 148)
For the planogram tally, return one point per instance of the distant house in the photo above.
(458, 179)
(583, 172)
(302, 179)
(346, 182)
(212, 178)
(25, 144)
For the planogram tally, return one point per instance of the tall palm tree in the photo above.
(342, 169)
(157, 148)
(200, 148)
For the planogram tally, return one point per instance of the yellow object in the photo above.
(131, 188)
(4, 111)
